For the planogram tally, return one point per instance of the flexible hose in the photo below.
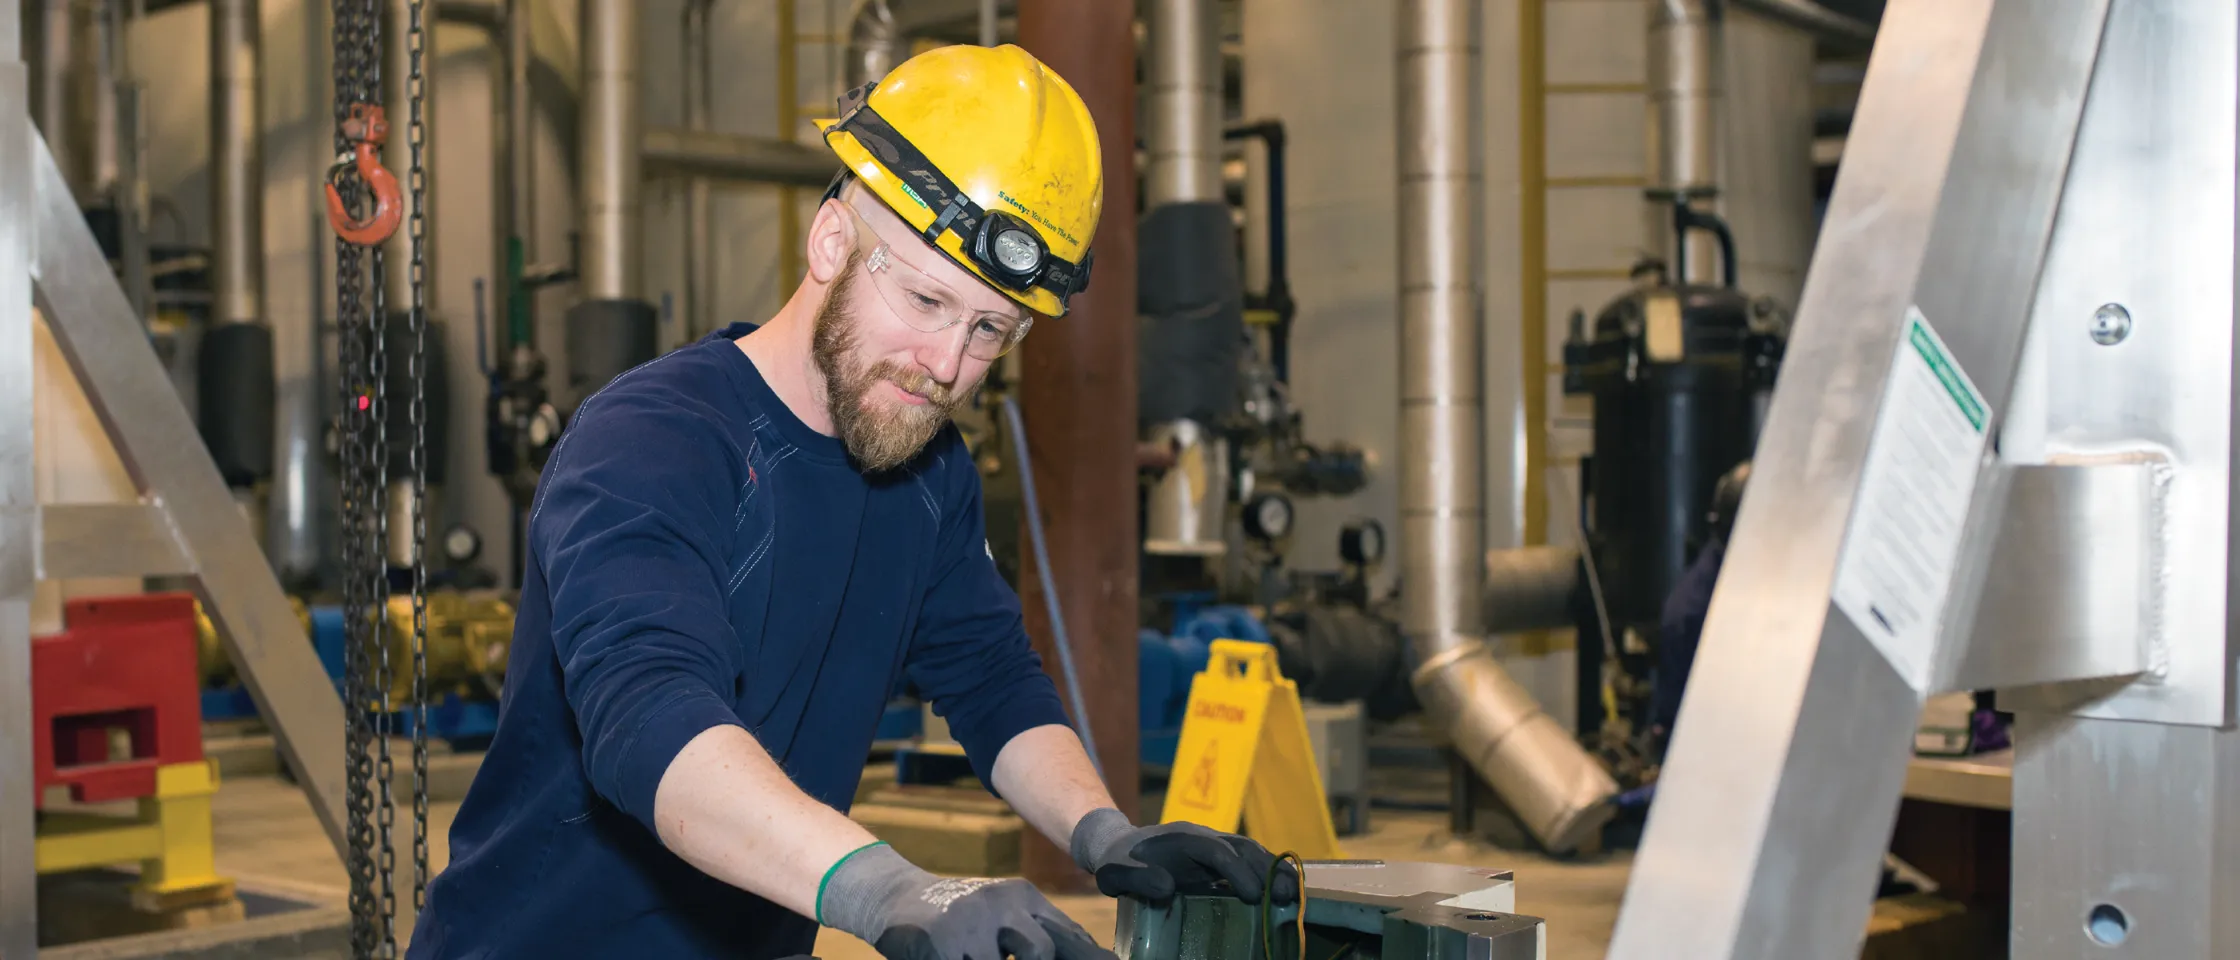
(1049, 585)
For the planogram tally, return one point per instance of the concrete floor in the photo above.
(267, 834)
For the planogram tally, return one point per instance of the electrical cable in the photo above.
(1049, 585)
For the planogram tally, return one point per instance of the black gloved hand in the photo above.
(1155, 863)
(910, 914)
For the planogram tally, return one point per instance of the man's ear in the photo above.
(831, 236)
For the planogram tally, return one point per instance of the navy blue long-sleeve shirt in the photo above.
(697, 557)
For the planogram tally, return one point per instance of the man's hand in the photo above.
(910, 914)
(1154, 863)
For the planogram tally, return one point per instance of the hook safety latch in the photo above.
(368, 131)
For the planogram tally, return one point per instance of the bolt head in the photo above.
(2110, 324)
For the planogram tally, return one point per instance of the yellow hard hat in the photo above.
(991, 157)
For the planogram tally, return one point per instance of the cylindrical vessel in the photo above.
(610, 134)
(1188, 504)
(1531, 761)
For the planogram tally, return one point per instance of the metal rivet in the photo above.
(2110, 324)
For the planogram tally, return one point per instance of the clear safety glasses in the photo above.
(931, 306)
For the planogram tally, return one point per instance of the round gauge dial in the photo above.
(1268, 516)
(461, 543)
(1362, 542)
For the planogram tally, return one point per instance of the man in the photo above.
(739, 548)
(1685, 608)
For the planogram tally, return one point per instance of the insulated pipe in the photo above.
(1182, 106)
(609, 135)
(1824, 24)
(236, 163)
(521, 154)
(879, 31)
(699, 229)
(396, 91)
(1529, 588)
(94, 95)
(50, 88)
(730, 156)
(1557, 791)
(1684, 92)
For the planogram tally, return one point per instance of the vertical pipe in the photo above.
(1532, 257)
(19, 508)
(521, 155)
(875, 43)
(1182, 134)
(1077, 387)
(988, 23)
(610, 134)
(50, 90)
(789, 124)
(236, 163)
(94, 93)
(1684, 92)
(1556, 790)
(395, 72)
(699, 233)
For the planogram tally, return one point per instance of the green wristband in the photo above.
(835, 868)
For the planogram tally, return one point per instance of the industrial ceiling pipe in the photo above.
(1685, 81)
(1824, 24)
(879, 31)
(1557, 790)
(699, 213)
(613, 328)
(234, 366)
(1530, 588)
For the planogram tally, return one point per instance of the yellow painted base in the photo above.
(170, 837)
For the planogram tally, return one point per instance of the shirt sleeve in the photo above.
(625, 530)
(970, 655)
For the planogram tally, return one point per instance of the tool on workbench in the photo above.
(357, 180)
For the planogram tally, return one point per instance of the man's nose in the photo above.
(942, 354)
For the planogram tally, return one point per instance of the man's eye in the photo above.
(991, 330)
(923, 302)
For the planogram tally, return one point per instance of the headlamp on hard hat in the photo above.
(1002, 247)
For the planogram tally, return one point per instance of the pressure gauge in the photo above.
(543, 425)
(1268, 516)
(461, 543)
(1362, 542)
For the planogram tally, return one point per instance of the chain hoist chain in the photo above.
(353, 36)
(417, 224)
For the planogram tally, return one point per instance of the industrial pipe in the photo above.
(609, 132)
(1529, 588)
(699, 226)
(396, 72)
(727, 156)
(1556, 789)
(1824, 24)
(1182, 104)
(1684, 91)
(520, 225)
(879, 31)
(234, 366)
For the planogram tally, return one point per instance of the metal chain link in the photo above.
(418, 183)
(353, 36)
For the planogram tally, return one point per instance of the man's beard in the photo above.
(880, 437)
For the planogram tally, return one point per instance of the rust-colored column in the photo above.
(1078, 394)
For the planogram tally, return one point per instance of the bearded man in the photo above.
(738, 550)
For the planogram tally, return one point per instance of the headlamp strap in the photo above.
(922, 179)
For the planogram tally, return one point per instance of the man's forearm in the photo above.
(727, 809)
(1046, 776)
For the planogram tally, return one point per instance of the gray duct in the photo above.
(1556, 789)
(1684, 91)
(1189, 291)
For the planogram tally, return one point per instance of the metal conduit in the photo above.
(879, 31)
(610, 125)
(1556, 789)
(1685, 91)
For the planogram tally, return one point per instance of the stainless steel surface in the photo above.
(2141, 817)
(2069, 593)
(1529, 588)
(2147, 222)
(1415, 910)
(1685, 84)
(236, 163)
(19, 503)
(94, 89)
(1985, 781)
(1826, 25)
(108, 540)
(2110, 324)
(608, 130)
(699, 236)
(51, 88)
(1182, 102)
(1557, 790)
(1777, 794)
(395, 68)
(157, 442)
(731, 156)
(1188, 507)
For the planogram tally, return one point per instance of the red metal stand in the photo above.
(120, 663)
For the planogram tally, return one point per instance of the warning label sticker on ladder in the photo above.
(1895, 571)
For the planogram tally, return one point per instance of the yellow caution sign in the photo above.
(1245, 755)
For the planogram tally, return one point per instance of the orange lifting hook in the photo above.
(369, 131)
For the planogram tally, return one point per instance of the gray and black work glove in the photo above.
(910, 914)
(1155, 863)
